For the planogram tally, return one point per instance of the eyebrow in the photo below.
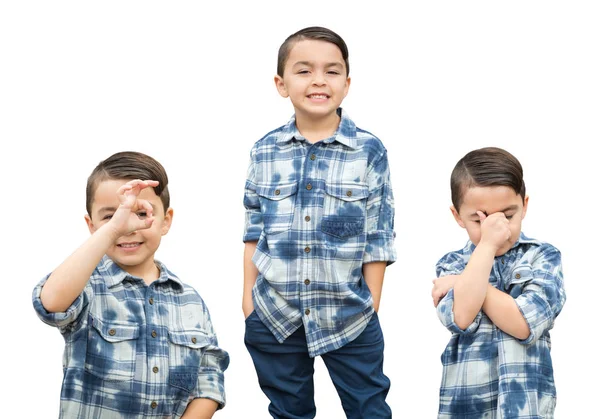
(509, 208)
(310, 63)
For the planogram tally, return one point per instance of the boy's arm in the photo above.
(373, 273)
(379, 250)
(253, 228)
(200, 409)
(250, 275)
(503, 311)
(210, 386)
(471, 287)
(67, 281)
(541, 299)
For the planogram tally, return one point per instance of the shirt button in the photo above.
(502, 260)
(307, 281)
(307, 218)
(112, 332)
(307, 249)
(307, 311)
(349, 193)
(151, 300)
(277, 191)
(309, 187)
(153, 333)
(155, 370)
(193, 340)
(153, 405)
(312, 156)
(518, 276)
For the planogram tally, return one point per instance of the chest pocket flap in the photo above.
(348, 192)
(518, 277)
(116, 332)
(277, 192)
(194, 339)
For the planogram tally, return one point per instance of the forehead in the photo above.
(314, 50)
(489, 199)
(106, 194)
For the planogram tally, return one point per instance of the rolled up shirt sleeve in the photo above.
(380, 214)
(60, 320)
(254, 220)
(453, 264)
(211, 381)
(542, 297)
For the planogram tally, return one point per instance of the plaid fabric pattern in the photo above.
(488, 373)
(135, 350)
(319, 212)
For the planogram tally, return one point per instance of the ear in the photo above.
(457, 216)
(525, 204)
(280, 85)
(166, 223)
(347, 86)
(90, 224)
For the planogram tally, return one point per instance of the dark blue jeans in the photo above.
(285, 372)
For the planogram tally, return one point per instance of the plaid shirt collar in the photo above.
(345, 134)
(115, 274)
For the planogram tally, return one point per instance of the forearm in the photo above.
(471, 288)
(503, 311)
(250, 275)
(373, 273)
(67, 281)
(200, 409)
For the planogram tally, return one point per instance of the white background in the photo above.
(191, 84)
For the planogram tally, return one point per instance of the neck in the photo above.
(148, 271)
(317, 129)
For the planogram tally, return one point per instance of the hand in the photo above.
(247, 307)
(133, 213)
(495, 229)
(441, 286)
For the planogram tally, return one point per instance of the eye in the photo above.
(508, 217)
(107, 217)
(303, 72)
(142, 214)
(337, 73)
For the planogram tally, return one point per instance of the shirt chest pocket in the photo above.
(111, 349)
(277, 202)
(344, 209)
(518, 279)
(186, 349)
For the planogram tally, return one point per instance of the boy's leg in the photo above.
(356, 370)
(285, 371)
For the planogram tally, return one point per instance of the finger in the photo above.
(482, 216)
(147, 206)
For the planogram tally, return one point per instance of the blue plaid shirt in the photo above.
(488, 373)
(319, 212)
(135, 350)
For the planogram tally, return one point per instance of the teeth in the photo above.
(319, 96)
(128, 245)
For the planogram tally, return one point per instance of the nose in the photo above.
(319, 78)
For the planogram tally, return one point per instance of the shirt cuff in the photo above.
(211, 385)
(58, 319)
(538, 315)
(380, 247)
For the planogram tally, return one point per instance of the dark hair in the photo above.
(490, 166)
(128, 165)
(314, 32)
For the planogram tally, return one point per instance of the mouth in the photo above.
(129, 246)
(318, 96)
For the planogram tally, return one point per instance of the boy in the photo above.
(139, 342)
(501, 294)
(318, 234)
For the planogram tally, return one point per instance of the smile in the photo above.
(129, 245)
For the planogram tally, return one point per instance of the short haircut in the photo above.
(316, 33)
(490, 166)
(128, 165)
